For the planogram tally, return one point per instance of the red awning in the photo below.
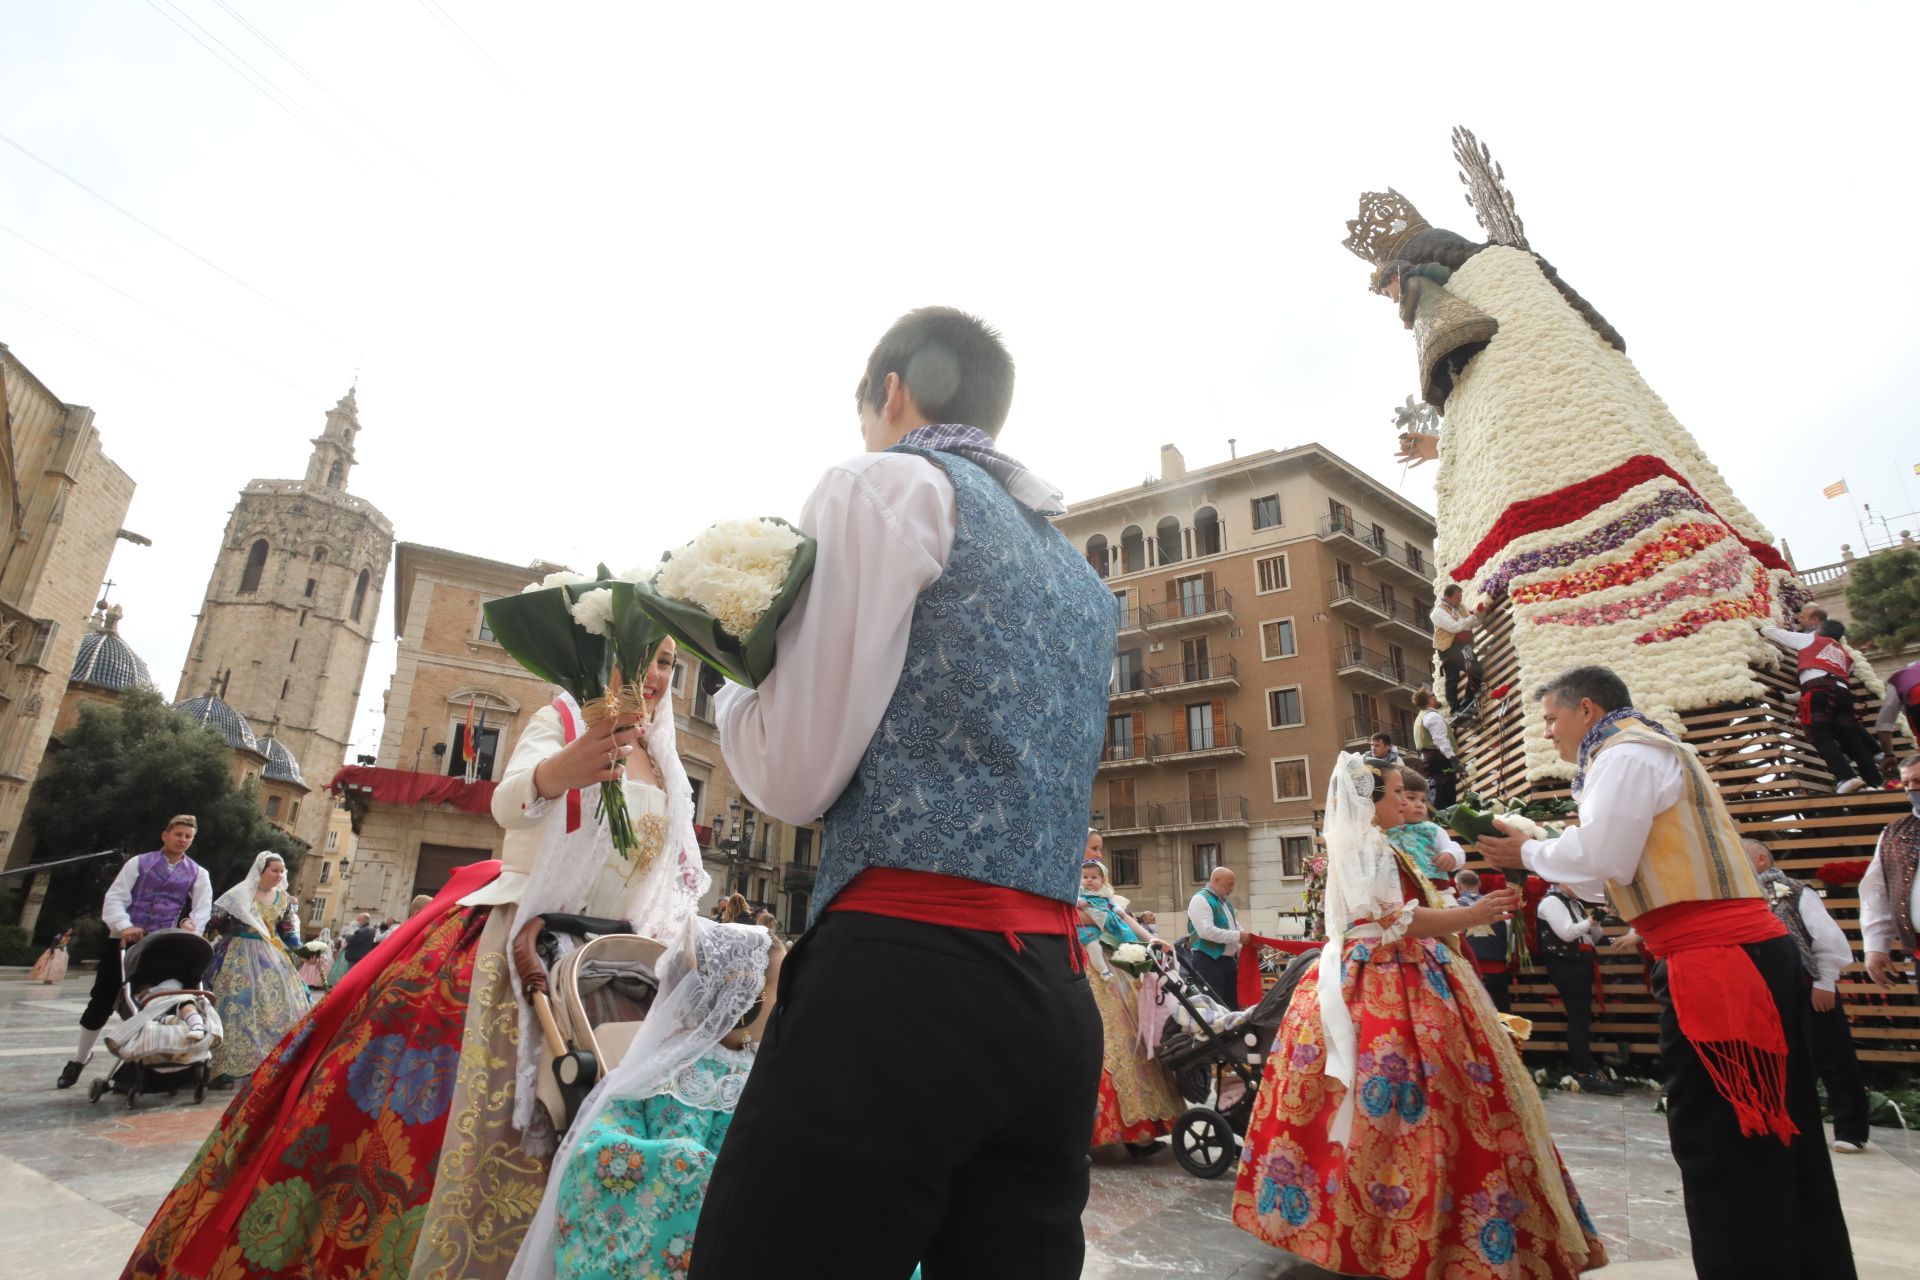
(405, 787)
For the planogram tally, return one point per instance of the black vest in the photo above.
(1552, 945)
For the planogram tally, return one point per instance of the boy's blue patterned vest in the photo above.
(983, 765)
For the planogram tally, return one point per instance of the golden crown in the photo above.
(1387, 221)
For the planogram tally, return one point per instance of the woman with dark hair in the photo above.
(1396, 1132)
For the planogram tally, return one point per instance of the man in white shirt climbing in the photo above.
(1826, 700)
(1453, 641)
(1435, 743)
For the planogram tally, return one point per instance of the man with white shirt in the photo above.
(1825, 954)
(1890, 891)
(1568, 934)
(941, 697)
(1453, 641)
(1656, 840)
(1826, 699)
(163, 889)
(1213, 933)
(1435, 743)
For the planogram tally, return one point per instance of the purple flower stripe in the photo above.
(1722, 575)
(1670, 502)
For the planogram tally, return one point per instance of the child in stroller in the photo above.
(171, 1028)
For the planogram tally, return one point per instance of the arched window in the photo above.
(359, 595)
(256, 565)
(1133, 550)
(1207, 539)
(1097, 553)
(319, 555)
(1167, 534)
(333, 476)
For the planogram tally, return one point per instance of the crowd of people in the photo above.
(430, 1116)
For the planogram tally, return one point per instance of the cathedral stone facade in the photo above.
(290, 610)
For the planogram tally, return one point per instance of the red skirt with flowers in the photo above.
(1440, 1177)
(332, 1144)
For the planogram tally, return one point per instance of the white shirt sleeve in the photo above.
(1795, 640)
(885, 525)
(1437, 730)
(1877, 931)
(1832, 953)
(120, 897)
(1444, 621)
(1447, 844)
(1554, 914)
(1200, 913)
(516, 803)
(200, 909)
(1626, 787)
(1890, 708)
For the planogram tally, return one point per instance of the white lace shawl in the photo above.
(659, 905)
(708, 984)
(242, 902)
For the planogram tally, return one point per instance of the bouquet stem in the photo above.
(612, 806)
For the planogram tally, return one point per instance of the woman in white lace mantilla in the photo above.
(1391, 1053)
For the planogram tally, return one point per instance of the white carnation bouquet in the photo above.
(1132, 957)
(722, 596)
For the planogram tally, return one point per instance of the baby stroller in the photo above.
(1216, 1056)
(171, 1028)
(601, 980)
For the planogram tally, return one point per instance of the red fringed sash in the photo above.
(1723, 1004)
(931, 898)
(568, 732)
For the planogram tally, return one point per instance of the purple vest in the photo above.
(161, 894)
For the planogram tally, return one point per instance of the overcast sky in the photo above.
(608, 272)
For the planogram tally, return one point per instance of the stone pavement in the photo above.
(79, 1181)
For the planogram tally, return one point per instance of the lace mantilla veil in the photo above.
(242, 902)
(659, 905)
(709, 983)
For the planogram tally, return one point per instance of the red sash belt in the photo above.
(1248, 984)
(931, 898)
(568, 732)
(1723, 1005)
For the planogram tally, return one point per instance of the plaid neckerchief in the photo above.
(977, 447)
(1603, 729)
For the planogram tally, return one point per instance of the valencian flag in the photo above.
(1835, 489)
(467, 742)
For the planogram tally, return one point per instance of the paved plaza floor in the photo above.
(78, 1181)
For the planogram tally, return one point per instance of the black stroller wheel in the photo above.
(1204, 1143)
(96, 1089)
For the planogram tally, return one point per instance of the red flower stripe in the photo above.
(1564, 506)
(1709, 579)
(1671, 548)
(1756, 604)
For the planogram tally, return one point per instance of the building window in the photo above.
(295, 652)
(1127, 675)
(1120, 737)
(1200, 726)
(1272, 574)
(319, 555)
(1097, 554)
(295, 815)
(485, 634)
(303, 619)
(1403, 726)
(699, 786)
(313, 584)
(284, 686)
(1192, 594)
(326, 872)
(1397, 660)
(333, 476)
(702, 703)
(1205, 857)
(360, 594)
(256, 565)
(797, 904)
(1290, 779)
(679, 677)
(273, 806)
(1196, 660)
(486, 743)
(1283, 708)
(333, 839)
(1294, 853)
(1277, 639)
(1168, 537)
(1266, 512)
(1209, 539)
(1133, 550)
(1415, 558)
(1125, 866)
(802, 846)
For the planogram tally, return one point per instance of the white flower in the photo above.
(558, 578)
(593, 612)
(1129, 953)
(733, 571)
(639, 573)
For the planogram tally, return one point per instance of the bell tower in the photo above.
(291, 607)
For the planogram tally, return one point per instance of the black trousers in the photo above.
(1222, 974)
(925, 1095)
(1733, 1182)
(1830, 1040)
(106, 988)
(1846, 748)
(1442, 777)
(1499, 989)
(1572, 977)
(1459, 663)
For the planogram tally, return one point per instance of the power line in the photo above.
(315, 81)
(137, 219)
(264, 85)
(171, 319)
(81, 334)
(459, 33)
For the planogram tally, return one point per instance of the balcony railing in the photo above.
(1359, 731)
(1405, 613)
(1345, 526)
(1178, 676)
(1406, 558)
(1129, 683)
(1214, 811)
(1350, 595)
(1198, 606)
(1222, 738)
(1133, 750)
(1129, 817)
(1138, 618)
(1369, 664)
(797, 876)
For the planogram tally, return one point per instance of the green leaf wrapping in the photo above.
(635, 633)
(537, 629)
(745, 660)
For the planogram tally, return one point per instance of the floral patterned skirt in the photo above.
(1445, 1174)
(1138, 1101)
(349, 1160)
(259, 995)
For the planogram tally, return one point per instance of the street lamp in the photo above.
(739, 848)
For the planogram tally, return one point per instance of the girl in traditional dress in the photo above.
(51, 967)
(1138, 1101)
(1396, 1132)
(627, 1186)
(397, 1132)
(254, 977)
(318, 954)
(338, 969)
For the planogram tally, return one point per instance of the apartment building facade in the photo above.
(1273, 613)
